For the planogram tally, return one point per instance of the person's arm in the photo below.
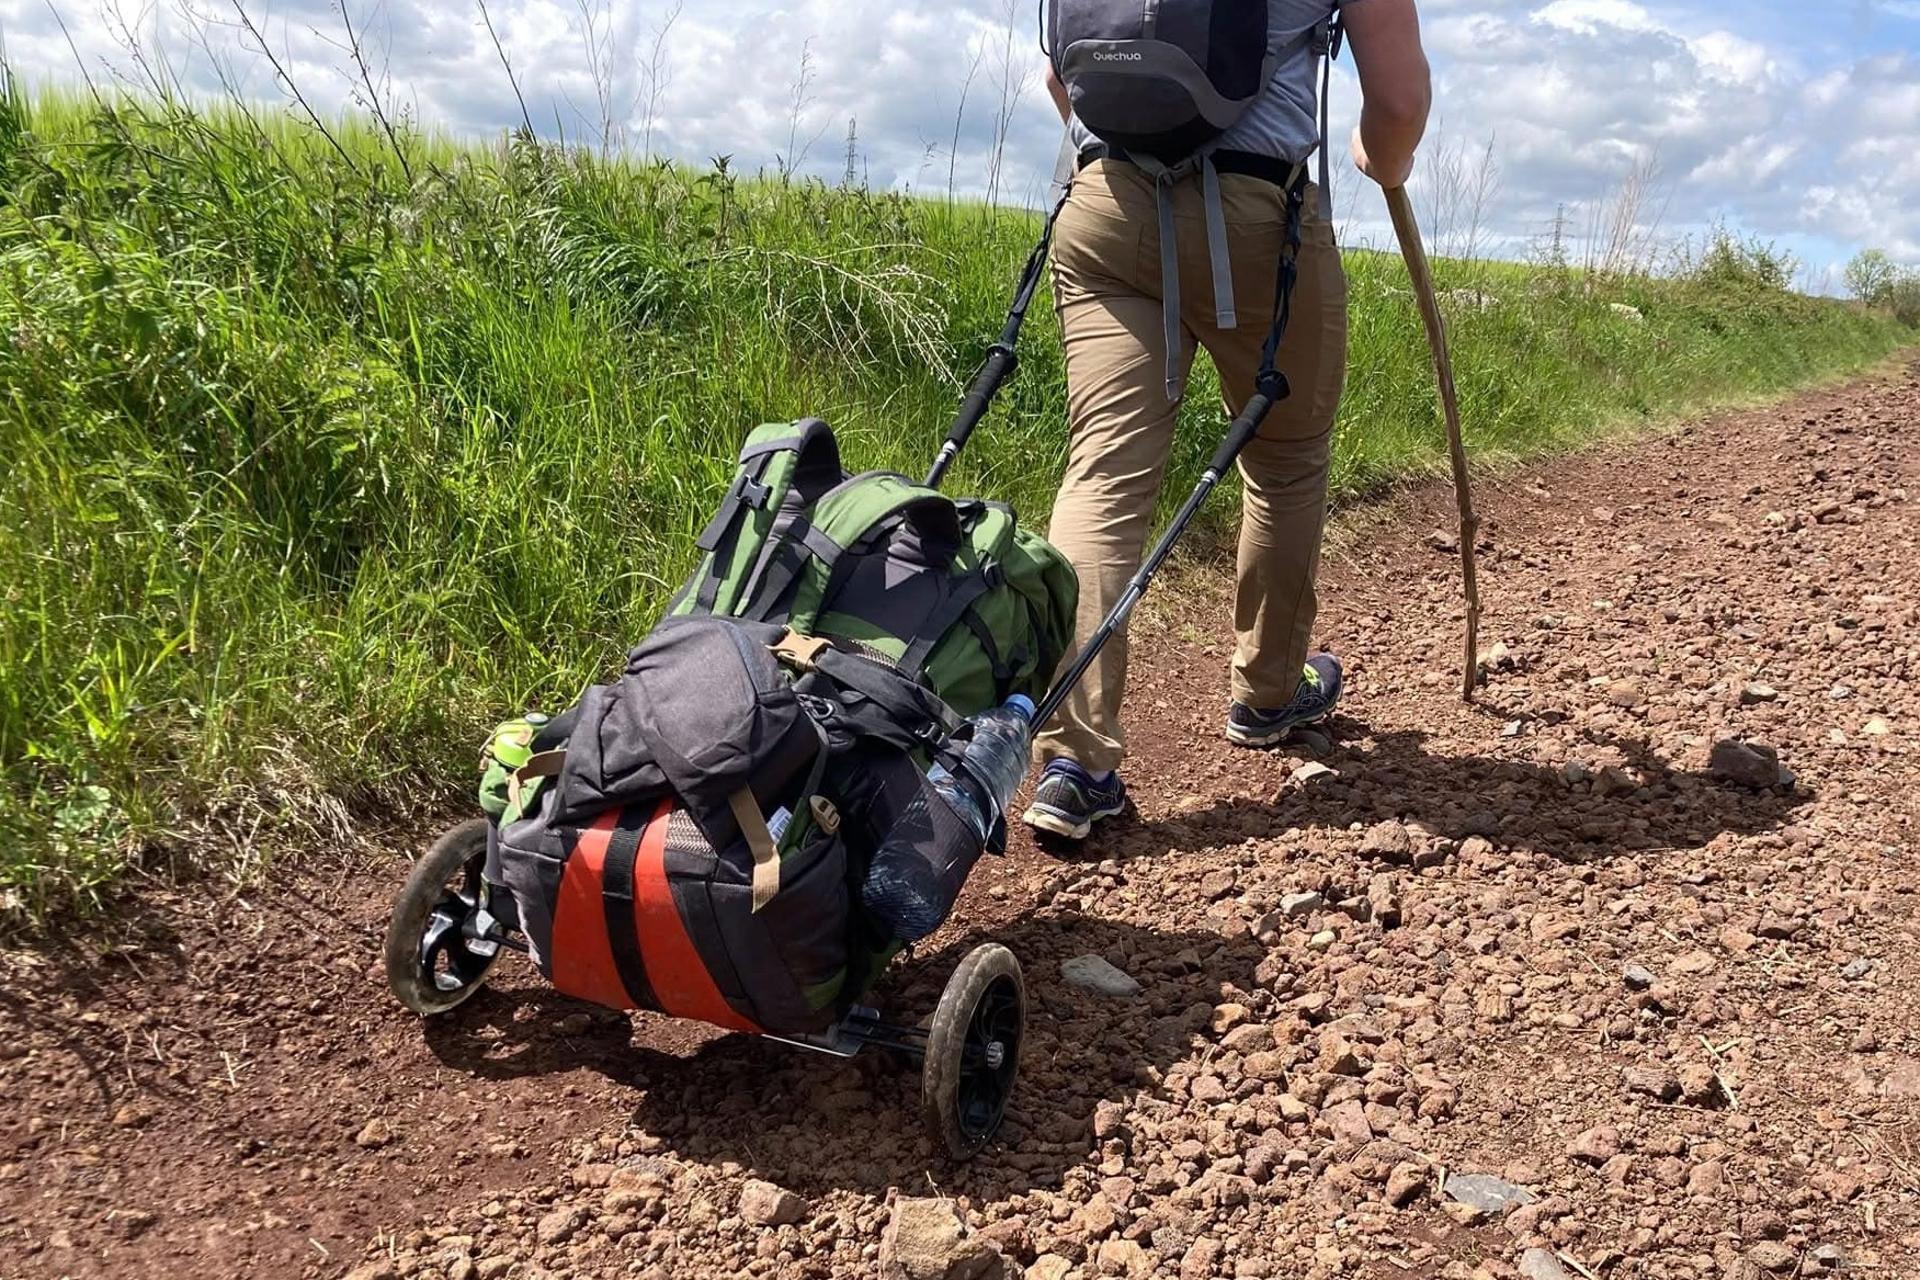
(1058, 92)
(1396, 87)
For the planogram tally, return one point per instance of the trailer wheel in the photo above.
(973, 1050)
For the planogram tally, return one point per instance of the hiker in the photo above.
(1124, 385)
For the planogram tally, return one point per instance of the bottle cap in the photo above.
(1023, 704)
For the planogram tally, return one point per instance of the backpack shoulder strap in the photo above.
(1328, 37)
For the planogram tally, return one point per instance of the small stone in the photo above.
(1299, 905)
(1625, 693)
(1091, 973)
(1216, 884)
(1637, 977)
(1597, 1145)
(381, 1270)
(1049, 1266)
(1540, 1264)
(1390, 841)
(1771, 1255)
(1753, 765)
(1124, 1258)
(1487, 1194)
(1441, 540)
(1322, 940)
(923, 1240)
(1109, 1119)
(1313, 771)
(1856, 970)
(134, 1116)
(1827, 1257)
(768, 1205)
(559, 1226)
(1348, 1123)
(1654, 1082)
(1694, 963)
(1699, 1085)
(1877, 727)
(373, 1135)
(1755, 694)
(1228, 1016)
(1405, 1184)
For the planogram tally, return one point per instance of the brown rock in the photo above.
(1700, 1086)
(1388, 841)
(1124, 1258)
(1049, 1266)
(923, 1240)
(1771, 1255)
(373, 1135)
(767, 1205)
(1348, 1123)
(559, 1226)
(1654, 1082)
(1597, 1145)
(1406, 1183)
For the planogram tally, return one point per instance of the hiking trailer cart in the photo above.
(455, 915)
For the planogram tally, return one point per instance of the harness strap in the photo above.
(1327, 39)
(723, 531)
(1221, 265)
(766, 855)
(1002, 670)
(1169, 284)
(959, 600)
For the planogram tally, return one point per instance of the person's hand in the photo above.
(1388, 178)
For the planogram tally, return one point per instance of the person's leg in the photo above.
(1285, 467)
(1121, 429)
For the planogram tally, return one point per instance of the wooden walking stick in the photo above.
(1414, 251)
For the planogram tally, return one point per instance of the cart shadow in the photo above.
(1519, 805)
(815, 1123)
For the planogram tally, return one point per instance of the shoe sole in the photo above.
(1240, 737)
(1054, 822)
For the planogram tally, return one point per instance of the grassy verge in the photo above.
(320, 462)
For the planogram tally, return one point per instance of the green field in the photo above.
(319, 463)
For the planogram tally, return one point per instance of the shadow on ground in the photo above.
(816, 1123)
(1520, 806)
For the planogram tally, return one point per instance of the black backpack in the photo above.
(1158, 81)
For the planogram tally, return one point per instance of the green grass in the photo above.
(315, 470)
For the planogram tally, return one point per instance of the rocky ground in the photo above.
(1542, 987)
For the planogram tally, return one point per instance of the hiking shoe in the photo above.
(1069, 800)
(1313, 701)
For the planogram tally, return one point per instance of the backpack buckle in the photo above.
(801, 652)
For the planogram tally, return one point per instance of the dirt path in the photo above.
(1672, 1010)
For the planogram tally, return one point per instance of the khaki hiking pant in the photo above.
(1106, 281)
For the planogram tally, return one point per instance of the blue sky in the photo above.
(1800, 131)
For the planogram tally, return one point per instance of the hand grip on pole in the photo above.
(994, 371)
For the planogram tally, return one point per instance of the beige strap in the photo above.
(799, 651)
(766, 857)
(547, 764)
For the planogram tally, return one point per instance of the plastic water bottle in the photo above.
(917, 874)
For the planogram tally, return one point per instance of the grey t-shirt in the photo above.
(1282, 122)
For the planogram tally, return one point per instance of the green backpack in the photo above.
(953, 593)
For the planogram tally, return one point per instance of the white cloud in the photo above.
(1788, 137)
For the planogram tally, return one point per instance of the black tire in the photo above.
(431, 966)
(973, 1050)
